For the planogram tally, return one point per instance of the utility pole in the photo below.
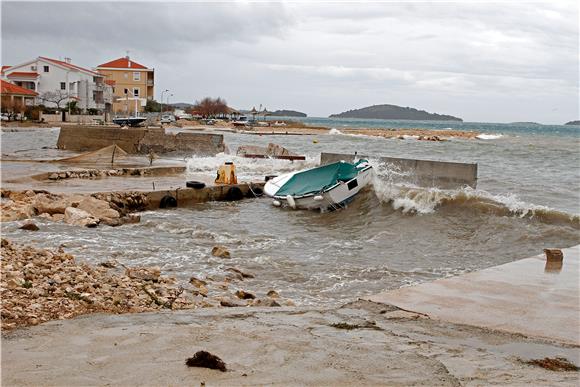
(161, 112)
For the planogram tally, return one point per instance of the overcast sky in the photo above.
(481, 61)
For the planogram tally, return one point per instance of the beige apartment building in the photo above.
(133, 84)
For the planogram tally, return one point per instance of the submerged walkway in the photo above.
(529, 297)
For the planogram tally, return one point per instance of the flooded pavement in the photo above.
(279, 346)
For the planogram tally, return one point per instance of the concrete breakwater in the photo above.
(425, 173)
(139, 140)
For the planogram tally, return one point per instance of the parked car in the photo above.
(167, 119)
(184, 116)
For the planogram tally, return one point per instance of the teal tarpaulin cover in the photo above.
(317, 179)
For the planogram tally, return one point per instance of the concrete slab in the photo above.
(529, 297)
(424, 173)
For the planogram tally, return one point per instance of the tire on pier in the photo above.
(168, 201)
(195, 184)
(234, 193)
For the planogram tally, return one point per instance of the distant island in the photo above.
(288, 113)
(573, 123)
(393, 112)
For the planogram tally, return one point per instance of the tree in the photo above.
(210, 107)
(72, 107)
(56, 97)
(152, 106)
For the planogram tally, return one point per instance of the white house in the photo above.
(58, 82)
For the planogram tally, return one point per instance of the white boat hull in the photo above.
(333, 198)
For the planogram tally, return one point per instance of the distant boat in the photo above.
(327, 187)
(129, 121)
(241, 121)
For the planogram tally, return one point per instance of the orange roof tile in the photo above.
(110, 82)
(69, 65)
(23, 74)
(123, 63)
(9, 88)
(4, 68)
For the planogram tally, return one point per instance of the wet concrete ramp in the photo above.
(530, 297)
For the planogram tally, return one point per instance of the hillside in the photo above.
(572, 123)
(288, 113)
(393, 112)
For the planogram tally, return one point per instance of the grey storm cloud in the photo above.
(483, 61)
(152, 26)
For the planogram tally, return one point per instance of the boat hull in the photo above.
(333, 198)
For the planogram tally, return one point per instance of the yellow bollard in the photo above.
(226, 174)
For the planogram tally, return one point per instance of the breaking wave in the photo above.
(412, 199)
(485, 136)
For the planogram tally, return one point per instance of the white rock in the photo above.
(78, 217)
(98, 208)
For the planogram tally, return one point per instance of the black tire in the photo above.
(195, 184)
(234, 194)
(168, 201)
(270, 177)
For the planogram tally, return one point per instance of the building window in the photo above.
(63, 85)
(135, 91)
(126, 76)
(45, 69)
(136, 76)
(32, 68)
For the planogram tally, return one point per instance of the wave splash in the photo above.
(411, 199)
(485, 136)
(246, 168)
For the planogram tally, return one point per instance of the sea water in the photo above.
(527, 198)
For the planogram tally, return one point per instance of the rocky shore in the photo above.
(38, 285)
(395, 133)
(112, 209)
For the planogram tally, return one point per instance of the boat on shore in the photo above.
(129, 121)
(328, 187)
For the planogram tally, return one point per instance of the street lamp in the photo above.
(164, 91)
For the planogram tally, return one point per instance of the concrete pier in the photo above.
(189, 196)
(139, 140)
(532, 297)
(424, 173)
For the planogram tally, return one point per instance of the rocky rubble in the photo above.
(39, 285)
(113, 209)
(98, 173)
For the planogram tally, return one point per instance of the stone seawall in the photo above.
(139, 140)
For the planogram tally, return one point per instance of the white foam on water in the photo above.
(485, 136)
(397, 188)
(334, 131)
(246, 167)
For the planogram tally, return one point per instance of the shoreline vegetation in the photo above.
(394, 112)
